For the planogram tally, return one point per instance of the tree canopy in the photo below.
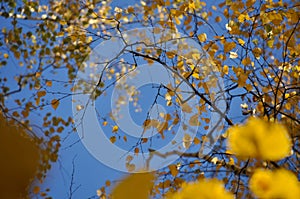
(201, 97)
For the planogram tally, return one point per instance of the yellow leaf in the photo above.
(49, 83)
(231, 161)
(228, 46)
(270, 43)
(214, 160)
(37, 101)
(202, 37)
(173, 170)
(246, 61)
(242, 80)
(204, 188)
(130, 9)
(196, 56)
(115, 128)
(241, 42)
(196, 75)
(192, 5)
(177, 21)
(225, 69)
(25, 113)
(54, 104)
(180, 64)
(218, 19)
(197, 141)
(135, 186)
(5, 55)
(279, 183)
(113, 139)
(259, 139)
(37, 74)
(243, 17)
(170, 55)
(41, 94)
(118, 16)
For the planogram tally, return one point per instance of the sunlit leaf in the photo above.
(233, 55)
(202, 37)
(115, 128)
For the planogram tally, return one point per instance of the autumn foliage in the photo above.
(247, 58)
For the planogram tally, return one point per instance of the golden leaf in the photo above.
(228, 46)
(279, 183)
(202, 37)
(204, 188)
(41, 94)
(225, 69)
(37, 101)
(170, 55)
(197, 141)
(104, 123)
(270, 43)
(259, 139)
(54, 104)
(49, 83)
(173, 170)
(115, 128)
(241, 42)
(113, 139)
(243, 17)
(246, 61)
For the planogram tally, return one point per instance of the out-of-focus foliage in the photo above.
(19, 157)
(253, 45)
(204, 188)
(259, 139)
(280, 183)
(135, 186)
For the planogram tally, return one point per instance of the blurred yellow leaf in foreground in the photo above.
(259, 139)
(19, 161)
(135, 186)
